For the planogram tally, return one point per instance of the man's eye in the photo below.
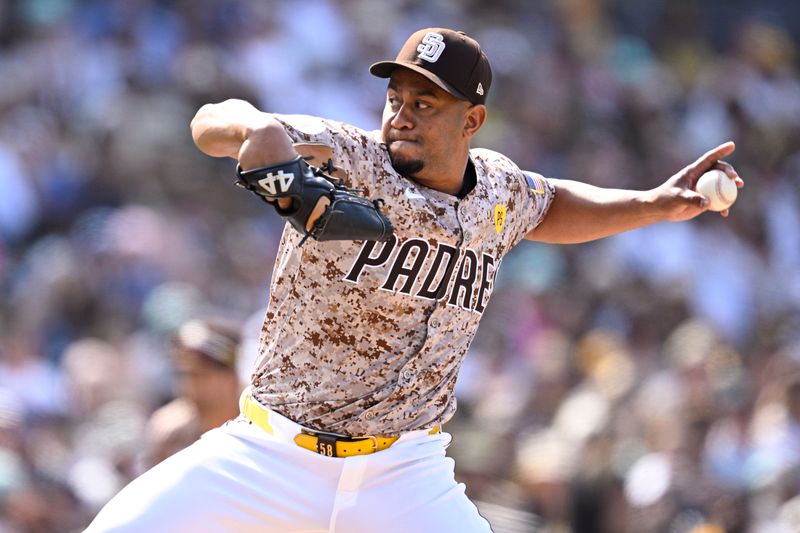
(422, 105)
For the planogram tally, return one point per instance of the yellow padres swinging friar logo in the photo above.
(499, 217)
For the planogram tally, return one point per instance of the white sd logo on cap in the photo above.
(431, 47)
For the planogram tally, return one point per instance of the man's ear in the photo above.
(474, 117)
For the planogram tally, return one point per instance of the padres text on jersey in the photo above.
(474, 275)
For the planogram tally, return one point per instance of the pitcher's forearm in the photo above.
(236, 129)
(581, 212)
(220, 129)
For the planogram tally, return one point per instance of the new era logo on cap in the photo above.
(451, 59)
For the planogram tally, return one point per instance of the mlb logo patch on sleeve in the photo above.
(535, 181)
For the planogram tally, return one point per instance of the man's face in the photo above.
(200, 379)
(421, 123)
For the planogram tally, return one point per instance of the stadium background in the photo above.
(645, 383)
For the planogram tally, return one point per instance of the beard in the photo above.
(406, 166)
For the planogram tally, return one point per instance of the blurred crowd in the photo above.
(649, 382)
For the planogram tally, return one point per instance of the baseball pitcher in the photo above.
(386, 264)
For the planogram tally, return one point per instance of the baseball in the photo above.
(720, 190)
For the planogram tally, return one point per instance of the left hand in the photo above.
(676, 197)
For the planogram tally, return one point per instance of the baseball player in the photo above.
(204, 354)
(393, 241)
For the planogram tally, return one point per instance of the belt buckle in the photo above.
(326, 442)
(326, 445)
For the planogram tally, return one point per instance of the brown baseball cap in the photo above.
(451, 59)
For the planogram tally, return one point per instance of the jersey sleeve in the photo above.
(535, 194)
(306, 128)
(350, 145)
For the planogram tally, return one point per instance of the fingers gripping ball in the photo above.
(720, 190)
(349, 216)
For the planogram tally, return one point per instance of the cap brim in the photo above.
(384, 69)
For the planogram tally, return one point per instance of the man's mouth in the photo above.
(402, 139)
(396, 144)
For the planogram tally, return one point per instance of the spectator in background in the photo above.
(204, 355)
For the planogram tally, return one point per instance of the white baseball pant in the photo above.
(238, 478)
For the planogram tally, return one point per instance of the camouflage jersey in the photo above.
(365, 338)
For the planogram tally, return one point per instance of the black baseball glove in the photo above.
(349, 216)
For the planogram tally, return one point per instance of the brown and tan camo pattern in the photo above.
(364, 338)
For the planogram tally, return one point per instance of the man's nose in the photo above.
(402, 118)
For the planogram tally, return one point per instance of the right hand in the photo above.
(676, 198)
(267, 146)
(272, 140)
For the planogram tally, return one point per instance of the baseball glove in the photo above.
(348, 215)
